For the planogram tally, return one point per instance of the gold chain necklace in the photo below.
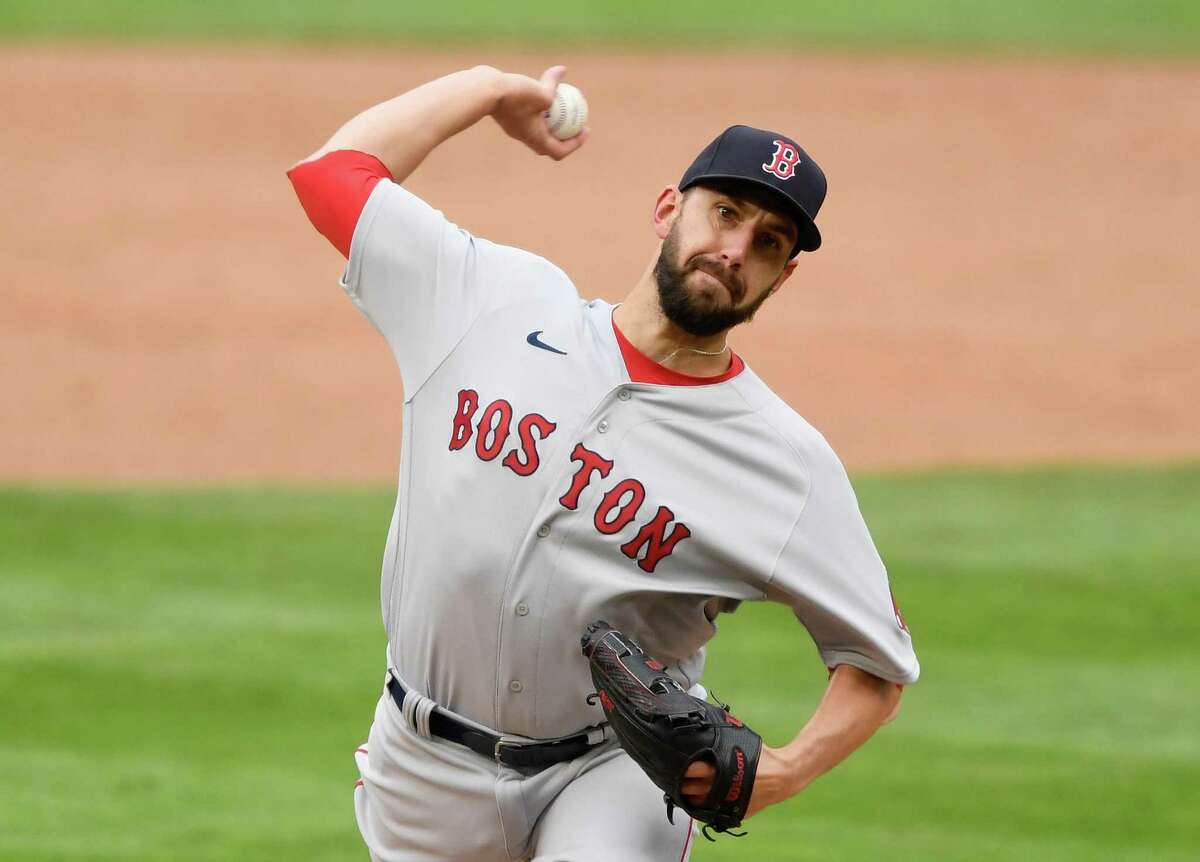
(670, 355)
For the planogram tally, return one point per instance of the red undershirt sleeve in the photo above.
(333, 191)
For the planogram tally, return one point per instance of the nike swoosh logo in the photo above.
(533, 339)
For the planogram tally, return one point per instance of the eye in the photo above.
(770, 241)
(725, 212)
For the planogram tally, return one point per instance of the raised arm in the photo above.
(391, 139)
(402, 131)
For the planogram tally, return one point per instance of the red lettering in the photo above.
(653, 536)
(468, 401)
(735, 788)
(525, 429)
(625, 512)
(497, 431)
(589, 463)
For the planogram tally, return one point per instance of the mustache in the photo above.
(722, 274)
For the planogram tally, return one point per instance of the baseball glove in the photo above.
(664, 729)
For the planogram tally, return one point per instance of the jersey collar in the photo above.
(643, 369)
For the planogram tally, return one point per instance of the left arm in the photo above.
(832, 577)
(854, 706)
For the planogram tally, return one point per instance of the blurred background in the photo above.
(199, 435)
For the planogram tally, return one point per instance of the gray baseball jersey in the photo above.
(541, 489)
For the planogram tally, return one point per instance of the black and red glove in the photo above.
(664, 729)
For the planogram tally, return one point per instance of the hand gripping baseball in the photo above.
(521, 108)
(665, 730)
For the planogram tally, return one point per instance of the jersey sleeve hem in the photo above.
(350, 275)
(332, 190)
(832, 658)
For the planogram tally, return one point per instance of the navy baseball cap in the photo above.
(771, 161)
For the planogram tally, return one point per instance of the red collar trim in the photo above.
(643, 369)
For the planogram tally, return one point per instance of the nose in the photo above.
(736, 247)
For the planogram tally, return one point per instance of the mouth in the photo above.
(731, 289)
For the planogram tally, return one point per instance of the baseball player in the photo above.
(566, 460)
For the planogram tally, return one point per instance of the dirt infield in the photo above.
(1008, 274)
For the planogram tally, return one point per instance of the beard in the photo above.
(698, 315)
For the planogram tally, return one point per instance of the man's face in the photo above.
(720, 260)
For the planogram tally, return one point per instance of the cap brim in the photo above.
(809, 238)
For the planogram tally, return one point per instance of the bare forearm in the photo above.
(402, 131)
(854, 706)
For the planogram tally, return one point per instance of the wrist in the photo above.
(496, 84)
(794, 768)
(776, 779)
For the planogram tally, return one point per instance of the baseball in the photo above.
(568, 113)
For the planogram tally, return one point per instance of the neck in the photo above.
(641, 320)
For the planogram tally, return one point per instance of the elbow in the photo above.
(885, 693)
(895, 693)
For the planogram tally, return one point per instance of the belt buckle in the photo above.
(501, 744)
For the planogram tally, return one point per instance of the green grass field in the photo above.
(1104, 26)
(183, 676)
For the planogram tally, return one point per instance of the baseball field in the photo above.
(200, 434)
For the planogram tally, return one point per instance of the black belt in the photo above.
(493, 747)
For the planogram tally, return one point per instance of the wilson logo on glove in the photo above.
(735, 789)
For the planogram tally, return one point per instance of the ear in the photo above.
(788, 269)
(666, 209)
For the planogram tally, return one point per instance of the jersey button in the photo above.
(603, 426)
(522, 609)
(515, 686)
(624, 394)
(543, 531)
